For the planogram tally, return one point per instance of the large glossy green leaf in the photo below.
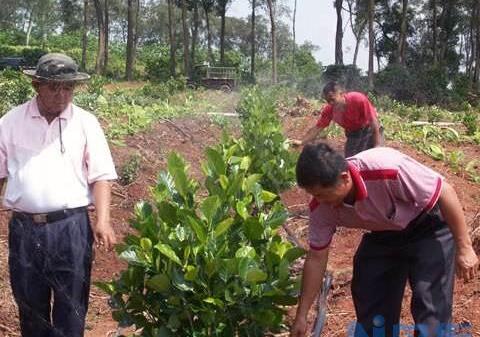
(283, 270)
(168, 252)
(216, 161)
(250, 181)
(199, 229)
(143, 209)
(253, 229)
(241, 208)
(277, 217)
(256, 275)
(216, 301)
(294, 253)
(223, 226)
(159, 282)
(191, 273)
(268, 196)
(223, 181)
(246, 251)
(279, 248)
(130, 256)
(177, 169)
(210, 207)
(245, 163)
(167, 212)
(146, 244)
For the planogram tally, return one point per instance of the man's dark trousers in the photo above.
(51, 261)
(423, 254)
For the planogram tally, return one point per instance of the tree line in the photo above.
(422, 50)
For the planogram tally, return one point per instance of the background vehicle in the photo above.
(220, 78)
(16, 63)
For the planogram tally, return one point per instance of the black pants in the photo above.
(361, 140)
(51, 260)
(423, 254)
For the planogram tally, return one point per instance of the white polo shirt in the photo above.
(40, 178)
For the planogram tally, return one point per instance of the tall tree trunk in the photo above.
(446, 33)
(209, 36)
(83, 63)
(293, 32)
(130, 40)
(339, 33)
(476, 72)
(471, 39)
(222, 36)
(252, 42)
(271, 9)
(186, 69)
(356, 32)
(358, 39)
(196, 23)
(434, 32)
(403, 35)
(100, 62)
(171, 35)
(107, 35)
(371, 42)
(29, 27)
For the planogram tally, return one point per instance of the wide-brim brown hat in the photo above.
(58, 68)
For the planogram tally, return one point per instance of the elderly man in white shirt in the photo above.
(55, 160)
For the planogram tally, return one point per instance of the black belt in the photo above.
(42, 218)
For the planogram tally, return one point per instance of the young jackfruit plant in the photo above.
(206, 266)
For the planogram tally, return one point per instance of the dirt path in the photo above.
(153, 147)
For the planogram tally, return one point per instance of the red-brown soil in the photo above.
(153, 147)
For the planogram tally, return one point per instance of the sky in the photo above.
(316, 21)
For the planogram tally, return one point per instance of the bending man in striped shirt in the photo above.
(417, 234)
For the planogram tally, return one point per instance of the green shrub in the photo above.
(15, 89)
(263, 134)
(470, 120)
(212, 266)
(129, 170)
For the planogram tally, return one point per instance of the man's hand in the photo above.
(299, 327)
(295, 142)
(104, 235)
(467, 263)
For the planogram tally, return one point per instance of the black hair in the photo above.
(332, 86)
(319, 165)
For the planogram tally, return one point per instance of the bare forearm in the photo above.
(102, 196)
(2, 183)
(313, 273)
(452, 213)
(376, 132)
(311, 134)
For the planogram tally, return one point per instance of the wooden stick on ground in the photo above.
(179, 129)
(322, 305)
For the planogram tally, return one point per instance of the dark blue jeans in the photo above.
(423, 254)
(50, 264)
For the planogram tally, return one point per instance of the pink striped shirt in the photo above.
(40, 178)
(392, 189)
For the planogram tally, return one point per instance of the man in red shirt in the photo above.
(417, 233)
(353, 112)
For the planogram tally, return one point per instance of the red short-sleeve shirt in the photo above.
(358, 114)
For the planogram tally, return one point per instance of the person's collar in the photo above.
(34, 112)
(357, 180)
